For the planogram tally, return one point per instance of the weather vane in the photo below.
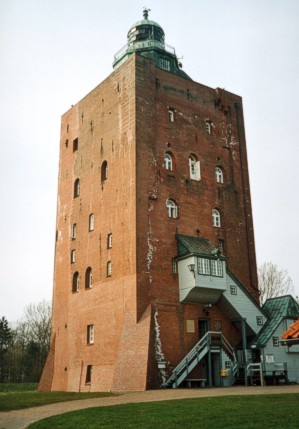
(145, 12)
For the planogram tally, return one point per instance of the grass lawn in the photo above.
(230, 412)
(24, 395)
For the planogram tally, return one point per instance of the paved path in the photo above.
(22, 418)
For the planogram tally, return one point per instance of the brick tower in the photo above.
(154, 241)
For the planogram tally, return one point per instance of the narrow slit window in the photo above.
(77, 188)
(109, 269)
(74, 231)
(90, 334)
(73, 256)
(75, 283)
(91, 222)
(88, 278)
(75, 144)
(88, 374)
(104, 171)
(109, 241)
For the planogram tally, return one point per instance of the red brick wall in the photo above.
(136, 311)
(193, 103)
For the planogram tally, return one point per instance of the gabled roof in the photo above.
(188, 245)
(278, 309)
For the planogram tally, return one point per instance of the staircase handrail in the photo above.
(203, 342)
(253, 367)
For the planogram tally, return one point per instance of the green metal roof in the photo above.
(195, 246)
(277, 309)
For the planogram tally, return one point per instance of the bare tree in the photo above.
(33, 333)
(273, 282)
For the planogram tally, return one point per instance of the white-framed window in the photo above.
(168, 161)
(216, 218)
(194, 168)
(75, 282)
(109, 241)
(91, 222)
(172, 209)
(216, 268)
(73, 256)
(203, 266)
(88, 278)
(77, 188)
(74, 231)
(109, 269)
(171, 114)
(208, 127)
(164, 63)
(233, 290)
(88, 374)
(227, 364)
(219, 175)
(90, 334)
(259, 320)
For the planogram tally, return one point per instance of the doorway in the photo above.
(203, 327)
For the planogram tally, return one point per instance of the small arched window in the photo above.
(88, 278)
(172, 209)
(104, 171)
(168, 161)
(219, 175)
(216, 218)
(75, 284)
(194, 168)
(77, 188)
(91, 222)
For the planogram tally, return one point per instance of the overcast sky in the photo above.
(53, 52)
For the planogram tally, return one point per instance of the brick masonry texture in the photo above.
(136, 312)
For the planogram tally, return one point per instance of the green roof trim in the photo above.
(277, 309)
(198, 246)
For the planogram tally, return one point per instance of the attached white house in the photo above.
(259, 357)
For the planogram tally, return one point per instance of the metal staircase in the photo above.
(211, 342)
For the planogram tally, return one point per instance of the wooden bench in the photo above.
(200, 381)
